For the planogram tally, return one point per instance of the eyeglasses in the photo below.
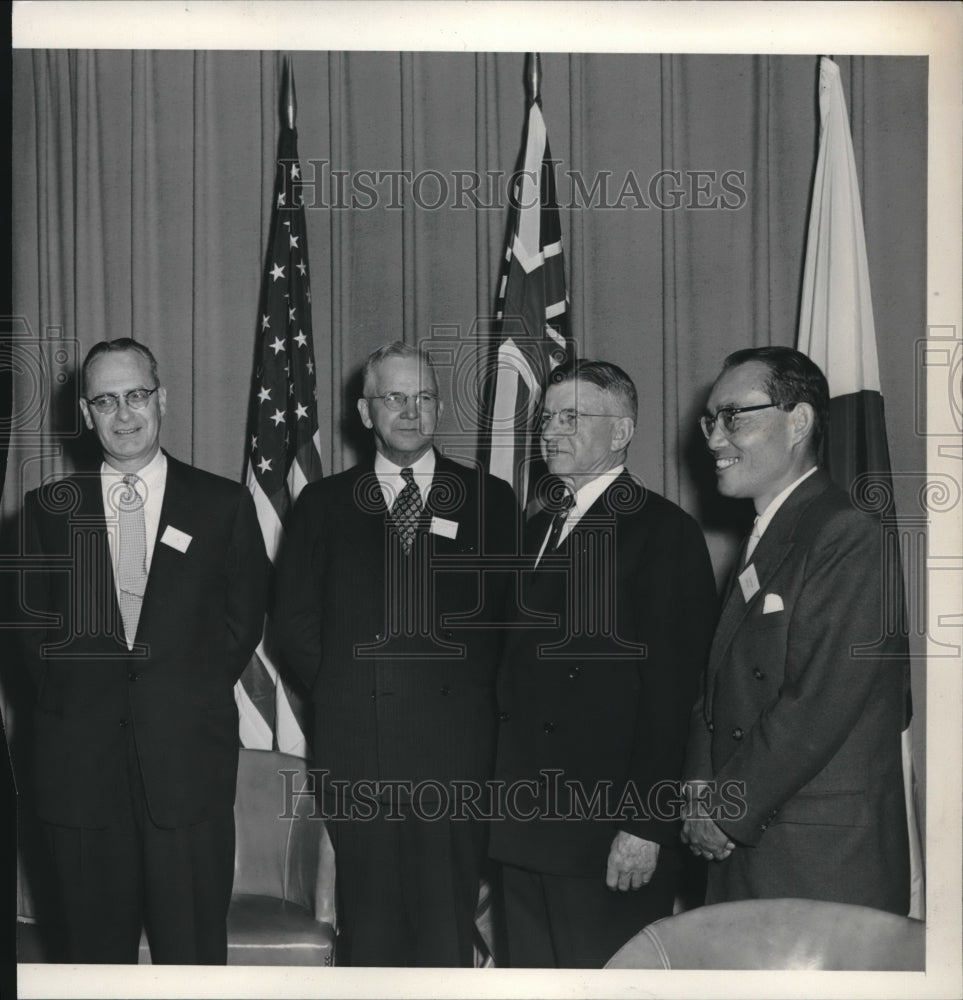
(567, 419)
(399, 400)
(107, 402)
(728, 414)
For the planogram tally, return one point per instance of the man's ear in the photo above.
(803, 421)
(85, 410)
(622, 433)
(365, 413)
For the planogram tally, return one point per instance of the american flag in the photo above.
(284, 444)
(531, 313)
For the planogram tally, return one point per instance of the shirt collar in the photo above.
(586, 495)
(389, 474)
(762, 521)
(153, 474)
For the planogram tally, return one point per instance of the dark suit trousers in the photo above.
(407, 889)
(132, 874)
(571, 922)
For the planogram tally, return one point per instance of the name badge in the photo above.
(176, 539)
(443, 527)
(749, 582)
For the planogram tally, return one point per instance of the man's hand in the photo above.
(704, 837)
(706, 840)
(631, 863)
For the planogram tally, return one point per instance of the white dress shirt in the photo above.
(389, 476)
(585, 496)
(152, 480)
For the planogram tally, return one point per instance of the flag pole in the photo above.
(290, 94)
(533, 78)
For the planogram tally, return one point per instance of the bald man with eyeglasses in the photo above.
(153, 582)
(794, 760)
(387, 613)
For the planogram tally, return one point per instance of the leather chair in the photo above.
(282, 909)
(778, 934)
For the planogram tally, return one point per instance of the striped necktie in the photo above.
(132, 560)
(754, 538)
(558, 521)
(406, 510)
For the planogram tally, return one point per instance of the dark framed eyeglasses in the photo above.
(397, 401)
(567, 419)
(728, 416)
(136, 399)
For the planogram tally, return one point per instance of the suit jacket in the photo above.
(201, 618)
(602, 690)
(398, 652)
(803, 706)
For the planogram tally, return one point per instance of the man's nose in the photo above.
(717, 438)
(411, 407)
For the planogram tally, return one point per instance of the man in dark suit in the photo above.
(595, 699)
(387, 614)
(794, 749)
(154, 587)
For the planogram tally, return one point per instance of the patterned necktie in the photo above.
(406, 510)
(132, 561)
(558, 521)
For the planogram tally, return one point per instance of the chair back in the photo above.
(778, 934)
(277, 846)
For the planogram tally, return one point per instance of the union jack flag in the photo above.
(531, 315)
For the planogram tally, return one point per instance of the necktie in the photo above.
(558, 521)
(406, 510)
(754, 537)
(132, 561)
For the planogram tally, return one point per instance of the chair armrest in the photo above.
(324, 890)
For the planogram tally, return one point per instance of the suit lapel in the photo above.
(772, 551)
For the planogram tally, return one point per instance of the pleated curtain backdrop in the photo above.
(142, 198)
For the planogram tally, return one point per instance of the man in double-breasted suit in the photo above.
(598, 678)
(153, 586)
(794, 750)
(386, 612)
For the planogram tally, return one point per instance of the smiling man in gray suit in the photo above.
(799, 723)
(154, 587)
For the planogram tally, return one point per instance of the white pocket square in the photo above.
(773, 602)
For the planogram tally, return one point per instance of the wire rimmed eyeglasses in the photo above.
(567, 419)
(136, 399)
(727, 416)
(397, 401)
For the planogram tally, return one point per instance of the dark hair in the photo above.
(118, 346)
(603, 375)
(793, 378)
(396, 349)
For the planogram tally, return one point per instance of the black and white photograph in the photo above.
(481, 499)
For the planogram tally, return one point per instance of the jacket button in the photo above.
(445, 689)
(374, 694)
(122, 723)
(548, 728)
(711, 726)
(504, 716)
(132, 676)
(574, 672)
(758, 674)
(737, 733)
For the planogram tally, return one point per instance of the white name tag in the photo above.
(440, 526)
(176, 539)
(749, 582)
